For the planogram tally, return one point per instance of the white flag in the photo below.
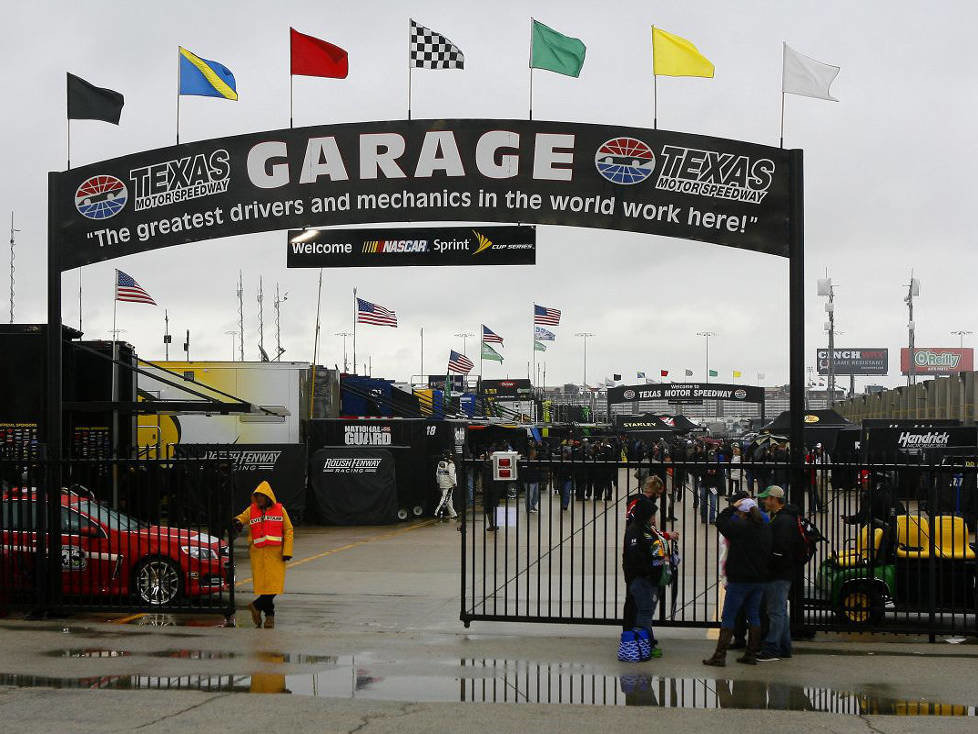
(803, 75)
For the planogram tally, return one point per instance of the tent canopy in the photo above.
(812, 418)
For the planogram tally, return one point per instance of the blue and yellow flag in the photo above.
(204, 78)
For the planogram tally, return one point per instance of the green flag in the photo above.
(555, 52)
(714, 373)
(539, 346)
(490, 353)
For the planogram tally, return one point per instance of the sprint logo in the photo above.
(484, 242)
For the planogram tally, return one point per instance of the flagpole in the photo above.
(783, 44)
(115, 384)
(69, 143)
(409, 68)
(422, 352)
(482, 345)
(79, 299)
(782, 114)
(354, 331)
(315, 347)
(531, 67)
(291, 79)
(178, 95)
(655, 88)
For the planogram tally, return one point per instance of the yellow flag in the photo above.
(736, 374)
(675, 56)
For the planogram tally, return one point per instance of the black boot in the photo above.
(753, 646)
(719, 658)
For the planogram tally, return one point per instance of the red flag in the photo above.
(315, 57)
(664, 373)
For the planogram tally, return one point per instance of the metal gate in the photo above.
(897, 552)
(129, 534)
(562, 563)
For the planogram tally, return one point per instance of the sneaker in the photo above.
(657, 652)
(534, 509)
(767, 657)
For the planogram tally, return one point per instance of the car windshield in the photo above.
(107, 516)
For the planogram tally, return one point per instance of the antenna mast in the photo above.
(240, 316)
(261, 319)
(279, 351)
(12, 268)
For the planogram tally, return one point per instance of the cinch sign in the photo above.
(937, 360)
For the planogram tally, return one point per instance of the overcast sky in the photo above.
(888, 175)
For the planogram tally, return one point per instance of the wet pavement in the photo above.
(369, 637)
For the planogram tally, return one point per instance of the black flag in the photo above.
(88, 102)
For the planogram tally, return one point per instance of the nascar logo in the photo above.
(101, 197)
(395, 246)
(624, 160)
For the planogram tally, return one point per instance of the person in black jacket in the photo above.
(785, 541)
(643, 558)
(748, 557)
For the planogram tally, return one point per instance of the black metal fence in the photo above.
(897, 554)
(130, 534)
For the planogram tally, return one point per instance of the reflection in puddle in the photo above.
(501, 681)
(88, 652)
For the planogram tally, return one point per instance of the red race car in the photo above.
(109, 556)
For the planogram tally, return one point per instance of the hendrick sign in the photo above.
(683, 391)
(855, 361)
(937, 360)
(371, 248)
(529, 171)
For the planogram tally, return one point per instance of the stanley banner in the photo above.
(675, 391)
(371, 248)
(527, 171)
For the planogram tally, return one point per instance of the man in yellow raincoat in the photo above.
(270, 534)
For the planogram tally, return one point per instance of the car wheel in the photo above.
(861, 604)
(418, 510)
(157, 582)
(402, 514)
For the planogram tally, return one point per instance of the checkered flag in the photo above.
(430, 50)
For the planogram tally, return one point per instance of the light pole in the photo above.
(233, 334)
(707, 335)
(913, 289)
(584, 335)
(961, 333)
(827, 290)
(463, 335)
(344, 334)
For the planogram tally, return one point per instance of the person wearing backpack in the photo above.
(787, 550)
(644, 558)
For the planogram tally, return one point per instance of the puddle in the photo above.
(844, 652)
(502, 681)
(87, 652)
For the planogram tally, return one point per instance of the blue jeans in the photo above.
(707, 500)
(778, 640)
(646, 596)
(470, 487)
(566, 490)
(742, 594)
(532, 495)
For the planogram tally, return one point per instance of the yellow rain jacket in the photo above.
(267, 566)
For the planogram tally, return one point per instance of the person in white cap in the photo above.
(748, 557)
(785, 539)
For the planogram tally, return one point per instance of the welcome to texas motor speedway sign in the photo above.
(525, 171)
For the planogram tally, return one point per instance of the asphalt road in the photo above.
(368, 640)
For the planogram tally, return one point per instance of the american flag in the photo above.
(127, 289)
(488, 335)
(459, 363)
(546, 316)
(371, 313)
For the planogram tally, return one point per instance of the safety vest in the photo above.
(267, 527)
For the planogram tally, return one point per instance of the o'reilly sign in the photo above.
(854, 361)
(937, 360)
